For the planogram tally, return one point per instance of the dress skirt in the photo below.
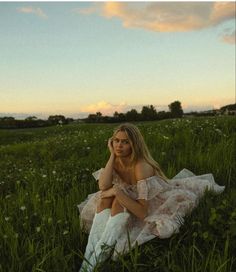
(168, 202)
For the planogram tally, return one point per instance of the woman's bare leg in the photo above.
(116, 207)
(104, 203)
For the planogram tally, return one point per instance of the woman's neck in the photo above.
(124, 162)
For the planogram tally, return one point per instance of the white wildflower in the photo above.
(23, 208)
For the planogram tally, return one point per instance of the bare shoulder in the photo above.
(143, 170)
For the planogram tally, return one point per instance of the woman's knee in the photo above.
(104, 203)
(116, 207)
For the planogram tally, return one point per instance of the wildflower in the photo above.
(88, 147)
(38, 229)
(65, 232)
(54, 172)
(44, 176)
(49, 220)
(23, 208)
(165, 137)
(7, 196)
(7, 218)
(18, 182)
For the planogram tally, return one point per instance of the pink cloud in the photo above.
(166, 16)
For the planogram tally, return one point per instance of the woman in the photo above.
(135, 198)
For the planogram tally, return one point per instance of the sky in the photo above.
(77, 58)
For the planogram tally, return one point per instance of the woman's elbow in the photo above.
(102, 187)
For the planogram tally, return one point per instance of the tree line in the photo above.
(34, 122)
(148, 113)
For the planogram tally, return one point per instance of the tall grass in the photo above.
(46, 172)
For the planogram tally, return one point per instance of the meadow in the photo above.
(46, 172)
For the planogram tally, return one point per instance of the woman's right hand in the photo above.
(110, 146)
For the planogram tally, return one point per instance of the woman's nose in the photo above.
(120, 144)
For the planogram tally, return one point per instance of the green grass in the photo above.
(46, 172)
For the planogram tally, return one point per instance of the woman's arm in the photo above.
(137, 207)
(105, 179)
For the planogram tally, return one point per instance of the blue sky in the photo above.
(82, 57)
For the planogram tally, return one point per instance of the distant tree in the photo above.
(7, 118)
(148, 113)
(132, 115)
(163, 115)
(57, 119)
(118, 117)
(31, 118)
(176, 109)
(91, 118)
(229, 107)
(69, 120)
(99, 117)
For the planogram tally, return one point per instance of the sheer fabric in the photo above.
(168, 203)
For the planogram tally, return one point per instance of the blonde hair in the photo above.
(139, 147)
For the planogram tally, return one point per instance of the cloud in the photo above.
(229, 37)
(104, 107)
(166, 16)
(30, 10)
(107, 108)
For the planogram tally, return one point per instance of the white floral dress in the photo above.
(168, 203)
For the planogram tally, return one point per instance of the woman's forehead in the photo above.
(121, 135)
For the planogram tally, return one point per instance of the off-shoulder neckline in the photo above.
(138, 181)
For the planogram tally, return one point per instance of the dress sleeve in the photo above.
(97, 174)
(150, 187)
(115, 177)
(142, 189)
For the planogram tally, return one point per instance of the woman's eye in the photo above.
(125, 142)
(116, 140)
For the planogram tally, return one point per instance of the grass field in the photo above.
(45, 173)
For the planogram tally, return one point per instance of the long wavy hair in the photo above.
(139, 148)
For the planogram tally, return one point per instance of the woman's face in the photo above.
(121, 144)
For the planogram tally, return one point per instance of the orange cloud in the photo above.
(166, 16)
(30, 10)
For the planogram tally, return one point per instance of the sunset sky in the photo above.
(78, 58)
